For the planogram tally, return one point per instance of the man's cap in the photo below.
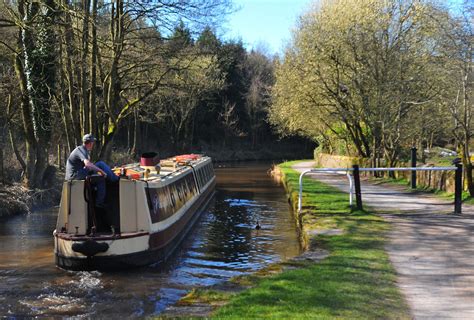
(88, 138)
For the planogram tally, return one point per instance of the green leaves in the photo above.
(370, 66)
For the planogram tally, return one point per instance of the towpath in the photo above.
(432, 250)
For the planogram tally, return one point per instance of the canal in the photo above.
(223, 244)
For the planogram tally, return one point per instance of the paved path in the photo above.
(432, 251)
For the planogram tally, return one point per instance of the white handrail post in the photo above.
(351, 187)
(300, 195)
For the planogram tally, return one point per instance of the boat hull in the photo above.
(160, 245)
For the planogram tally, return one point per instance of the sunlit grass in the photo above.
(356, 281)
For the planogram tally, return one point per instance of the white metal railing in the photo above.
(350, 178)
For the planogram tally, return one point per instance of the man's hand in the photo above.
(89, 165)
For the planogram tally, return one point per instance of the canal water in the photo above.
(223, 244)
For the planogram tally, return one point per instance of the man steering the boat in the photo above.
(79, 165)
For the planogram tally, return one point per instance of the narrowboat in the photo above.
(148, 212)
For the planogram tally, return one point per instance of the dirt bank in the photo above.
(16, 199)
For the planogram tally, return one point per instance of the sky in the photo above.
(270, 22)
(267, 22)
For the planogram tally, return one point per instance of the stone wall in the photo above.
(325, 160)
(439, 180)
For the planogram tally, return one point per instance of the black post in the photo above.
(413, 165)
(357, 187)
(458, 189)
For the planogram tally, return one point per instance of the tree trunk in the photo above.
(60, 162)
(37, 83)
(85, 52)
(70, 56)
(64, 108)
(112, 96)
(40, 165)
(93, 72)
(30, 141)
(136, 133)
(2, 174)
(12, 137)
(106, 148)
(466, 161)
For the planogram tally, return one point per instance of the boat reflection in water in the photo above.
(148, 213)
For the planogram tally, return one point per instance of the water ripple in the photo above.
(224, 244)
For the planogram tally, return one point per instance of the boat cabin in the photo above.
(144, 195)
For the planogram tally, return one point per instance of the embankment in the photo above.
(16, 199)
(281, 176)
(356, 279)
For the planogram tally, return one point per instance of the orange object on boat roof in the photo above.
(134, 175)
(128, 172)
(185, 157)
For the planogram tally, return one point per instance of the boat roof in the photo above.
(168, 169)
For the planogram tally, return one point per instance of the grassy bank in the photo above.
(356, 281)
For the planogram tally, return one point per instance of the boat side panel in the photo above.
(63, 207)
(78, 216)
(164, 224)
(164, 237)
(128, 206)
(166, 201)
(116, 247)
(143, 213)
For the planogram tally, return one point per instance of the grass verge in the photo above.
(356, 281)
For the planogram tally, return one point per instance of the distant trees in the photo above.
(92, 63)
(138, 74)
(35, 65)
(372, 75)
(455, 36)
(260, 79)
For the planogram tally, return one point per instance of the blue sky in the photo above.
(264, 21)
(270, 21)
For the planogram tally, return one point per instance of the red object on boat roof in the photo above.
(134, 176)
(149, 159)
(185, 157)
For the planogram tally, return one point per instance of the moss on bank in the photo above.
(356, 281)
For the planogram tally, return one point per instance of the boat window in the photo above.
(179, 189)
(169, 199)
(173, 200)
(207, 173)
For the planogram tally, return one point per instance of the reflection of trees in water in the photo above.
(244, 195)
(230, 229)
